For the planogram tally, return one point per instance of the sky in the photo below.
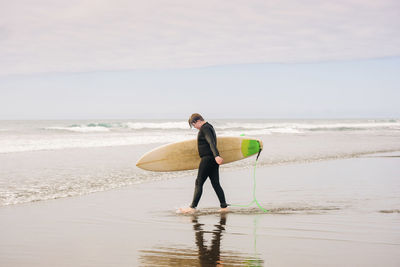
(225, 59)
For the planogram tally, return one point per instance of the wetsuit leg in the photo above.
(202, 174)
(214, 177)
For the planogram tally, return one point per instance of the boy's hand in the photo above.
(219, 160)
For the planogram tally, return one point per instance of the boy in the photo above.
(209, 164)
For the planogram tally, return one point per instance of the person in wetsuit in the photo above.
(209, 163)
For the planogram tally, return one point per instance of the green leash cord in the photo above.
(254, 190)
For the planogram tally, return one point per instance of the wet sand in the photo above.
(329, 213)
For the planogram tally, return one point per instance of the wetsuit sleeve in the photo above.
(211, 141)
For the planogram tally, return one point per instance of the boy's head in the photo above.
(194, 118)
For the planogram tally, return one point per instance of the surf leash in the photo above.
(254, 189)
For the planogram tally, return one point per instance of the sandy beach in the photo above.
(330, 213)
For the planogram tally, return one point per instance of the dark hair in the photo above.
(195, 117)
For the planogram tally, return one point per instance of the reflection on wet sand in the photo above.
(205, 255)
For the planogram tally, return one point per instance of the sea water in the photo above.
(42, 160)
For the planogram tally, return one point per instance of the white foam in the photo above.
(156, 125)
(273, 127)
(266, 128)
(84, 141)
(351, 125)
(260, 132)
(39, 136)
(81, 129)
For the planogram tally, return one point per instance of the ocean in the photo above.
(44, 159)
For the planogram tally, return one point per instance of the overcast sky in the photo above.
(167, 59)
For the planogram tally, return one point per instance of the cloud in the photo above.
(76, 36)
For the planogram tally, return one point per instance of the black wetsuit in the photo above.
(207, 146)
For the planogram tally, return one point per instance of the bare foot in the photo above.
(186, 210)
(223, 210)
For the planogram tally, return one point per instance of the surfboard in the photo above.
(184, 155)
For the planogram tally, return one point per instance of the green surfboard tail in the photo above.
(250, 147)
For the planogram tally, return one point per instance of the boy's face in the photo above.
(197, 124)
